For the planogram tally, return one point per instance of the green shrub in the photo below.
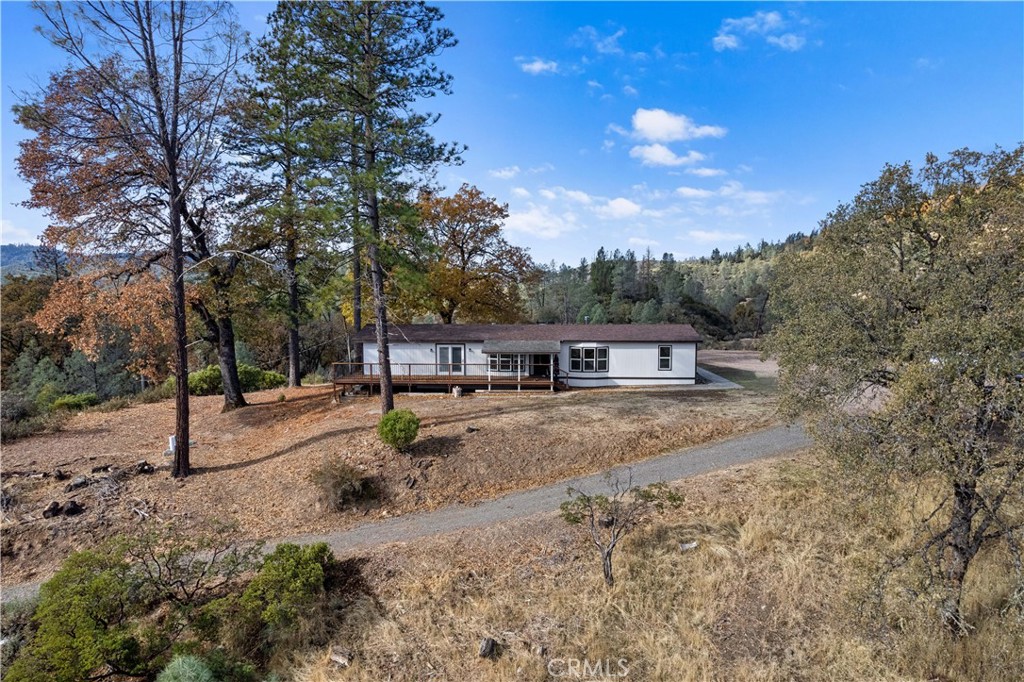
(291, 580)
(123, 606)
(186, 669)
(76, 402)
(287, 605)
(207, 381)
(85, 622)
(340, 485)
(47, 395)
(398, 428)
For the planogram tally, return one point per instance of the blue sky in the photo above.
(681, 127)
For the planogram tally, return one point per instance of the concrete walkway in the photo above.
(674, 466)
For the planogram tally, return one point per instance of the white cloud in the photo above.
(705, 236)
(658, 125)
(732, 192)
(660, 155)
(537, 66)
(548, 194)
(506, 173)
(630, 91)
(735, 190)
(619, 208)
(694, 193)
(594, 84)
(790, 42)
(723, 42)
(521, 192)
(640, 241)
(706, 172)
(542, 222)
(603, 44)
(576, 195)
(607, 145)
(769, 25)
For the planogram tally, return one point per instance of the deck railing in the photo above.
(446, 372)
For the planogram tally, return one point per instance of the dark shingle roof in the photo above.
(441, 333)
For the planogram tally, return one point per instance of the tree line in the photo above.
(224, 169)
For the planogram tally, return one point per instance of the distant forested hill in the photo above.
(17, 259)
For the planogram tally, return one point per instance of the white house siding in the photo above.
(421, 358)
(629, 364)
(634, 364)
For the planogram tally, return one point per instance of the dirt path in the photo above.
(682, 464)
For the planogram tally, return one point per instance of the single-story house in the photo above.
(533, 355)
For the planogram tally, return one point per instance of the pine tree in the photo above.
(381, 55)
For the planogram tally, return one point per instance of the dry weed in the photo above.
(775, 589)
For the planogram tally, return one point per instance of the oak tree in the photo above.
(900, 342)
(472, 272)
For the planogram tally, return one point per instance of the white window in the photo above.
(588, 359)
(664, 358)
(450, 359)
(514, 363)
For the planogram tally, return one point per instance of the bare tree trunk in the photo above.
(606, 566)
(228, 363)
(960, 550)
(387, 398)
(180, 468)
(357, 261)
(294, 359)
(357, 294)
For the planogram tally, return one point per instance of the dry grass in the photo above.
(780, 587)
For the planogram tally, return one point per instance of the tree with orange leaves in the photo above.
(473, 273)
(88, 311)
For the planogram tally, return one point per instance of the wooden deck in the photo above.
(346, 377)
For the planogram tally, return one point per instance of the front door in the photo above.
(450, 359)
(540, 365)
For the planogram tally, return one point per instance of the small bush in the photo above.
(314, 378)
(47, 395)
(84, 620)
(155, 394)
(16, 407)
(16, 627)
(125, 604)
(186, 669)
(256, 379)
(341, 485)
(50, 422)
(398, 428)
(114, 404)
(207, 381)
(76, 402)
(286, 607)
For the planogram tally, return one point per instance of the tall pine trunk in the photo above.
(180, 467)
(294, 357)
(357, 258)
